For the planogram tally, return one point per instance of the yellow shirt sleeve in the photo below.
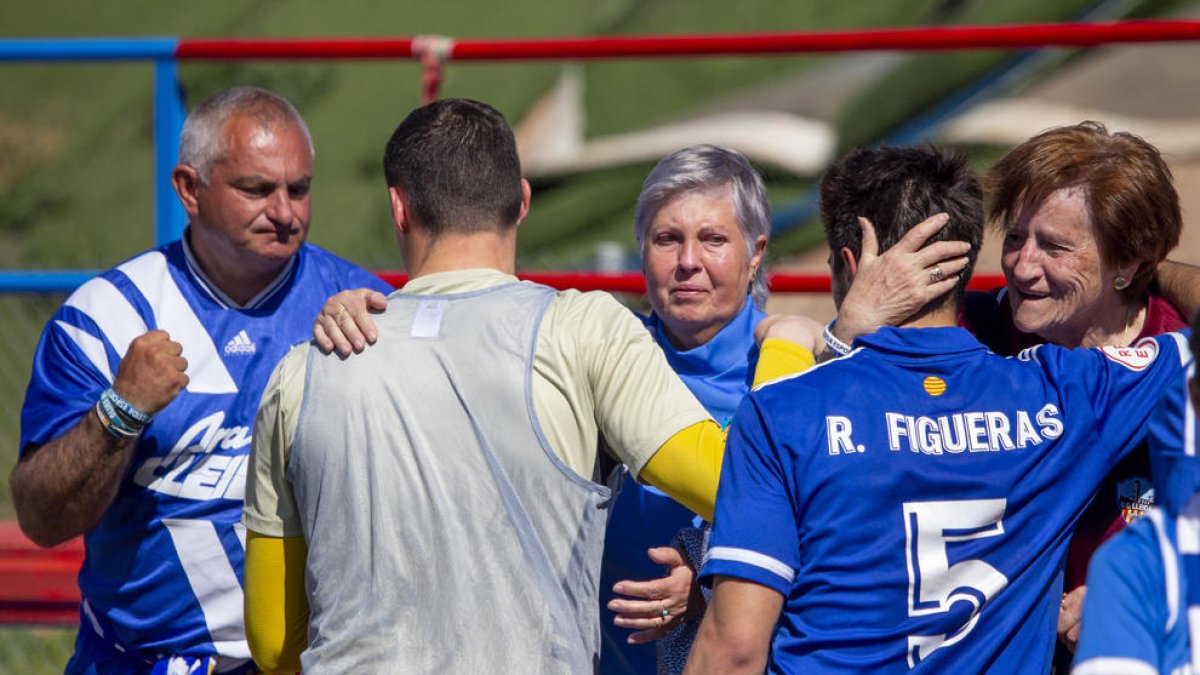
(778, 358)
(276, 604)
(688, 466)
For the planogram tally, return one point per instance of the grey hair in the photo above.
(700, 168)
(201, 144)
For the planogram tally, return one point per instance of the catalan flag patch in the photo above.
(934, 386)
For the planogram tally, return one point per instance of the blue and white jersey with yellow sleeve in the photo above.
(912, 501)
(163, 568)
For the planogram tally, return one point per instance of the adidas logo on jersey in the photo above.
(240, 344)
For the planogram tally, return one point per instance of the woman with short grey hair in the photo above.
(702, 225)
(702, 168)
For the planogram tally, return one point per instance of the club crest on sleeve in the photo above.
(1135, 357)
(1135, 496)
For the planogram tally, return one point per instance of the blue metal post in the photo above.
(43, 281)
(87, 49)
(169, 112)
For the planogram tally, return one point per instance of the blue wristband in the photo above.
(116, 428)
(125, 407)
(116, 419)
(835, 345)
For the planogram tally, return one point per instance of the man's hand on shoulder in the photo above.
(795, 328)
(152, 373)
(344, 324)
(789, 345)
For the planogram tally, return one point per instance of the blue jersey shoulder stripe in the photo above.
(111, 311)
(1109, 665)
(1170, 565)
(743, 555)
(92, 347)
(206, 371)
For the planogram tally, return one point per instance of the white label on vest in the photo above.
(428, 321)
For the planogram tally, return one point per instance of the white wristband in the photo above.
(835, 345)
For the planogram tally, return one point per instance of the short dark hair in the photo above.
(896, 189)
(456, 161)
(1130, 195)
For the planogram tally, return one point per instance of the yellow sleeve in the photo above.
(688, 467)
(276, 602)
(777, 358)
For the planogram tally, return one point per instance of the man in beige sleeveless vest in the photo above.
(430, 505)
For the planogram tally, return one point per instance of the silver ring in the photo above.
(935, 274)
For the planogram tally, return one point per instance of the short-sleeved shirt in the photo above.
(164, 564)
(915, 512)
(579, 393)
(1144, 583)
(1135, 617)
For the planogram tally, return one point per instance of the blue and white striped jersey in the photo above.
(1142, 613)
(164, 565)
(1137, 616)
(912, 502)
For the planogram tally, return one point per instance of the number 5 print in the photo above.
(933, 583)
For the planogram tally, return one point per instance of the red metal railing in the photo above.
(907, 39)
(633, 282)
(38, 585)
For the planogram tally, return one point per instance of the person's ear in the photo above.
(186, 182)
(400, 218)
(756, 258)
(1124, 276)
(850, 260)
(526, 196)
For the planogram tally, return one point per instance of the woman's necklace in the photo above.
(1133, 325)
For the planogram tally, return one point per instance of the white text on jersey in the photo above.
(192, 471)
(954, 433)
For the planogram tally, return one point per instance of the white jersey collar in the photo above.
(218, 295)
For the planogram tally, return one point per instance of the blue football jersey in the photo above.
(1174, 457)
(163, 567)
(1136, 614)
(912, 501)
(1144, 585)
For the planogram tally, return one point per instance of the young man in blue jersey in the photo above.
(907, 507)
(1140, 613)
(136, 424)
